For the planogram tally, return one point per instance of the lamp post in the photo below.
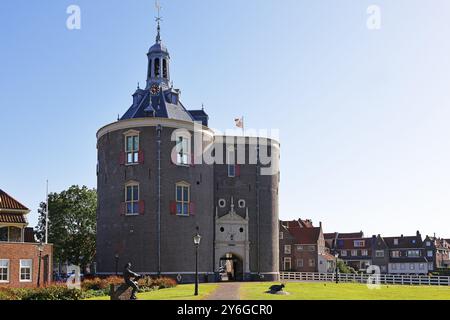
(197, 239)
(40, 248)
(116, 258)
(336, 255)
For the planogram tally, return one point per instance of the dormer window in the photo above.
(396, 242)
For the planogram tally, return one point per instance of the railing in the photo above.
(367, 278)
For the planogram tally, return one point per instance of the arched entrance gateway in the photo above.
(232, 246)
(231, 268)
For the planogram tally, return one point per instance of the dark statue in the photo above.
(276, 288)
(131, 278)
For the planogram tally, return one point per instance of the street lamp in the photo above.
(336, 255)
(197, 239)
(40, 248)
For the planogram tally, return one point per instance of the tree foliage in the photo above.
(72, 224)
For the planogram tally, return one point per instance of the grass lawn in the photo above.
(180, 292)
(344, 291)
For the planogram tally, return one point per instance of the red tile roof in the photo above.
(9, 203)
(305, 235)
(12, 218)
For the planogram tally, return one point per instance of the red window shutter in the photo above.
(141, 157)
(141, 207)
(122, 157)
(238, 170)
(192, 209)
(122, 208)
(173, 207)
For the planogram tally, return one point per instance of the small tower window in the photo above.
(132, 198)
(165, 74)
(183, 151)
(157, 66)
(132, 149)
(183, 197)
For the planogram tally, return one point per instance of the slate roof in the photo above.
(9, 203)
(404, 242)
(349, 244)
(343, 235)
(161, 107)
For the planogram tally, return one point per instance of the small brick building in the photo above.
(19, 253)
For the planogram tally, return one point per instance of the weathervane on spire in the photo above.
(158, 19)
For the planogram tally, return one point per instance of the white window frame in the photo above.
(133, 200)
(395, 254)
(184, 203)
(379, 253)
(299, 247)
(132, 155)
(343, 253)
(430, 253)
(287, 249)
(364, 252)
(26, 267)
(312, 263)
(183, 156)
(359, 243)
(395, 242)
(354, 253)
(2, 261)
(287, 260)
(299, 263)
(281, 235)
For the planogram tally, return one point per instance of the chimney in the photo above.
(320, 224)
(418, 233)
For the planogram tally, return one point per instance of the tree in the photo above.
(71, 226)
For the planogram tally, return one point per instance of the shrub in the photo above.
(55, 292)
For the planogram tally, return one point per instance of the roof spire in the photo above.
(158, 20)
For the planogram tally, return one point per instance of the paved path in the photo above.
(226, 291)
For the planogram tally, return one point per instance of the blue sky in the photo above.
(363, 115)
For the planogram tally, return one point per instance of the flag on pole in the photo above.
(239, 122)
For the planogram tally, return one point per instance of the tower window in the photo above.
(149, 73)
(157, 66)
(165, 74)
(183, 151)
(132, 149)
(231, 163)
(132, 198)
(183, 199)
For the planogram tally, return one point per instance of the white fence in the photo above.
(364, 278)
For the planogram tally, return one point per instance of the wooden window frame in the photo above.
(133, 201)
(27, 267)
(182, 203)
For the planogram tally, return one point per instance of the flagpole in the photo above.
(243, 126)
(46, 216)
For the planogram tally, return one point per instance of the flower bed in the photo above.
(90, 288)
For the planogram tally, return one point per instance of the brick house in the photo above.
(19, 253)
(355, 252)
(409, 255)
(302, 248)
(439, 250)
